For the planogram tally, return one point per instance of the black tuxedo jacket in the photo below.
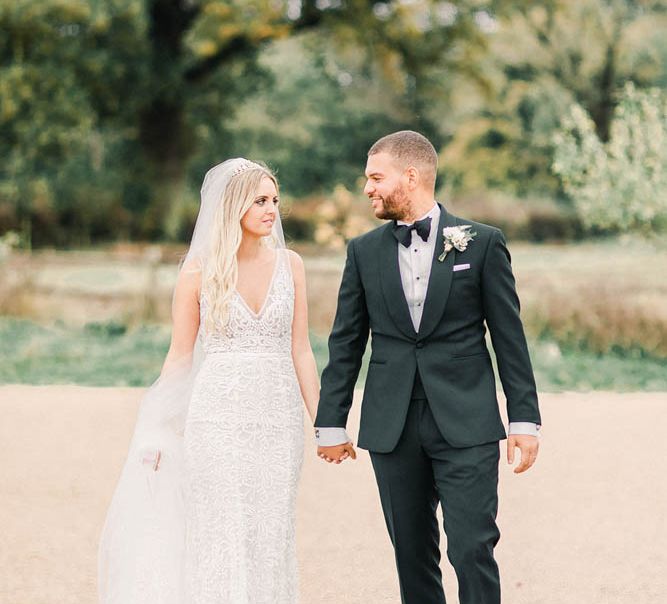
(449, 350)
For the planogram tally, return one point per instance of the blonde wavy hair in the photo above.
(220, 272)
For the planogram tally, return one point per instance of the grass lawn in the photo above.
(604, 296)
(97, 355)
(110, 355)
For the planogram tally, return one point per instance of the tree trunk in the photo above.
(166, 142)
(167, 147)
(602, 110)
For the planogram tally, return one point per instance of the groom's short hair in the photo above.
(410, 148)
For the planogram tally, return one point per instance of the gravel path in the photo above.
(586, 526)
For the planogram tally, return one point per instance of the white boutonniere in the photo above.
(456, 237)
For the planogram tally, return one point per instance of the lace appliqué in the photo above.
(244, 452)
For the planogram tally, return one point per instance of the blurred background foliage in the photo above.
(112, 110)
(549, 117)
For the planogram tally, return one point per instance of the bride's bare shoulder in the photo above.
(296, 262)
(192, 266)
(189, 277)
(294, 258)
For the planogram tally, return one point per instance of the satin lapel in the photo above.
(392, 288)
(440, 281)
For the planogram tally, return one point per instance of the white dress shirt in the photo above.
(414, 264)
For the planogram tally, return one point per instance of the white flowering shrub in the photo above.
(8, 242)
(620, 185)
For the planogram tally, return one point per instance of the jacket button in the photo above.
(420, 344)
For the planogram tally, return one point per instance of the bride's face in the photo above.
(259, 218)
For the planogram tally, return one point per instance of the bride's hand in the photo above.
(153, 458)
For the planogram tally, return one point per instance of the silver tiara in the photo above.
(245, 164)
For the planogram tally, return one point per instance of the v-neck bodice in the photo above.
(258, 314)
(270, 330)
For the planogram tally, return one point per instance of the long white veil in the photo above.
(142, 544)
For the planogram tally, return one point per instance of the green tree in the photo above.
(544, 56)
(318, 114)
(65, 67)
(620, 184)
(110, 110)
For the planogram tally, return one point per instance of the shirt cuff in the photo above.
(329, 437)
(529, 428)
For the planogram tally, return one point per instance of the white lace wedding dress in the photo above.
(243, 447)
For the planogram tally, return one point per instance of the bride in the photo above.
(204, 511)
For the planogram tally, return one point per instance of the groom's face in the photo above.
(385, 187)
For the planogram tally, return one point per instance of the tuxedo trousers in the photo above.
(421, 472)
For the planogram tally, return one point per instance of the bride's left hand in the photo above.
(152, 458)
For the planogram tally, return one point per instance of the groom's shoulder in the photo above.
(373, 236)
(481, 229)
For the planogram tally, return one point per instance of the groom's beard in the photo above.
(395, 206)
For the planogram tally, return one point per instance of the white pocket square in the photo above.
(461, 267)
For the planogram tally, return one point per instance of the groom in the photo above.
(429, 415)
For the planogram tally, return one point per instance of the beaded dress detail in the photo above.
(243, 446)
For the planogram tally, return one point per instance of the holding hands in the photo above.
(337, 453)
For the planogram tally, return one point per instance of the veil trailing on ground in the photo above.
(142, 545)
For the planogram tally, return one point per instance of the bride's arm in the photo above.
(302, 353)
(185, 315)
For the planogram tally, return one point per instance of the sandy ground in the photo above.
(585, 526)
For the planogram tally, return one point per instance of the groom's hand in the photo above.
(337, 453)
(528, 445)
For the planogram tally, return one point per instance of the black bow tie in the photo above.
(403, 232)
